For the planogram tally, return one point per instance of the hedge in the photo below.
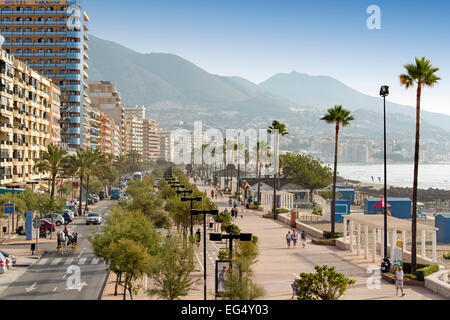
(407, 266)
(337, 235)
(423, 272)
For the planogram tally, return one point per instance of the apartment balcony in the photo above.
(34, 12)
(73, 55)
(75, 76)
(74, 98)
(74, 45)
(6, 127)
(73, 130)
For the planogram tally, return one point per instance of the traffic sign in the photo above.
(75, 185)
(9, 208)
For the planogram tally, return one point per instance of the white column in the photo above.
(404, 240)
(374, 248)
(379, 235)
(345, 230)
(393, 241)
(424, 241)
(366, 242)
(382, 244)
(358, 240)
(351, 236)
(434, 238)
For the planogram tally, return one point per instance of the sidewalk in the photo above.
(277, 264)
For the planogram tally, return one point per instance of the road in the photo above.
(76, 276)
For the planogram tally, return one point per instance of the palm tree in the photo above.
(53, 161)
(79, 166)
(135, 159)
(340, 117)
(121, 165)
(423, 74)
(97, 165)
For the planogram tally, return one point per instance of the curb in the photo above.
(100, 296)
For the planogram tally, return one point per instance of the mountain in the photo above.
(324, 92)
(174, 89)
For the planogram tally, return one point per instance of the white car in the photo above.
(71, 213)
(94, 218)
(3, 264)
(56, 218)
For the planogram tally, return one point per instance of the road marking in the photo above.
(55, 289)
(95, 261)
(198, 259)
(33, 287)
(82, 261)
(68, 262)
(56, 261)
(43, 261)
(81, 253)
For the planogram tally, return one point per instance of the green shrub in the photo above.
(257, 203)
(282, 211)
(317, 211)
(423, 272)
(407, 266)
(327, 235)
(447, 256)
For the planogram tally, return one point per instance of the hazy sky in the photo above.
(256, 39)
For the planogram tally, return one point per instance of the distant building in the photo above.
(151, 140)
(55, 115)
(136, 111)
(167, 145)
(134, 135)
(107, 136)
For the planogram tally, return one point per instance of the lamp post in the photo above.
(231, 237)
(384, 92)
(204, 213)
(184, 199)
(274, 123)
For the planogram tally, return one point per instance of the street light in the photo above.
(384, 92)
(242, 237)
(184, 199)
(274, 124)
(204, 213)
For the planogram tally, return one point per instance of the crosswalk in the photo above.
(66, 261)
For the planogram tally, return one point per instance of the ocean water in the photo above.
(401, 175)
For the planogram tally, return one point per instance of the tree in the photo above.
(340, 117)
(52, 161)
(239, 281)
(422, 74)
(79, 165)
(325, 284)
(279, 129)
(134, 159)
(173, 269)
(306, 171)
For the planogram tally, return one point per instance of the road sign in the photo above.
(36, 222)
(75, 185)
(9, 208)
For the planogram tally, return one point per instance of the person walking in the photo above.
(304, 238)
(212, 194)
(230, 202)
(294, 237)
(198, 237)
(399, 277)
(288, 239)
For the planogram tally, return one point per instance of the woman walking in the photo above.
(288, 239)
(304, 238)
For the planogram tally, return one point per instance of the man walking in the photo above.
(288, 239)
(304, 237)
(399, 276)
(294, 238)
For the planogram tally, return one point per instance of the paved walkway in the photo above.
(277, 264)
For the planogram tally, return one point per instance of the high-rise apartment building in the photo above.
(27, 103)
(117, 145)
(106, 98)
(136, 111)
(152, 140)
(107, 127)
(167, 145)
(55, 115)
(134, 135)
(51, 37)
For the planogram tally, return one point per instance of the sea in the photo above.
(436, 176)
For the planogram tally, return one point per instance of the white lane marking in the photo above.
(33, 287)
(43, 261)
(56, 261)
(81, 253)
(68, 262)
(95, 261)
(55, 289)
(82, 261)
(198, 259)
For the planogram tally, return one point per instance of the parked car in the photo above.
(47, 226)
(101, 195)
(71, 207)
(71, 213)
(94, 218)
(67, 217)
(3, 264)
(56, 218)
(10, 256)
(90, 200)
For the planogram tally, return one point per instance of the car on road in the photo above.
(70, 212)
(116, 193)
(67, 217)
(47, 225)
(9, 256)
(71, 207)
(3, 264)
(56, 218)
(93, 218)
(95, 197)
(101, 195)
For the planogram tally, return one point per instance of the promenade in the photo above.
(277, 264)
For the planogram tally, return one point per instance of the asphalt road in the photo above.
(75, 276)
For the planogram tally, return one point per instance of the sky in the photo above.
(256, 39)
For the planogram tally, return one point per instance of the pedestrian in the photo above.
(304, 238)
(212, 194)
(235, 204)
(225, 211)
(198, 236)
(288, 239)
(294, 237)
(399, 276)
(230, 202)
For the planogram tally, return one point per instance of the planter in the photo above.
(319, 242)
(406, 282)
(268, 217)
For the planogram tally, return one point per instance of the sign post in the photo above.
(36, 225)
(9, 209)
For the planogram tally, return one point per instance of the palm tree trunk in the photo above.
(259, 183)
(80, 208)
(87, 193)
(333, 209)
(52, 194)
(415, 185)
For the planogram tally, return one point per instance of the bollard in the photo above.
(33, 248)
(293, 219)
